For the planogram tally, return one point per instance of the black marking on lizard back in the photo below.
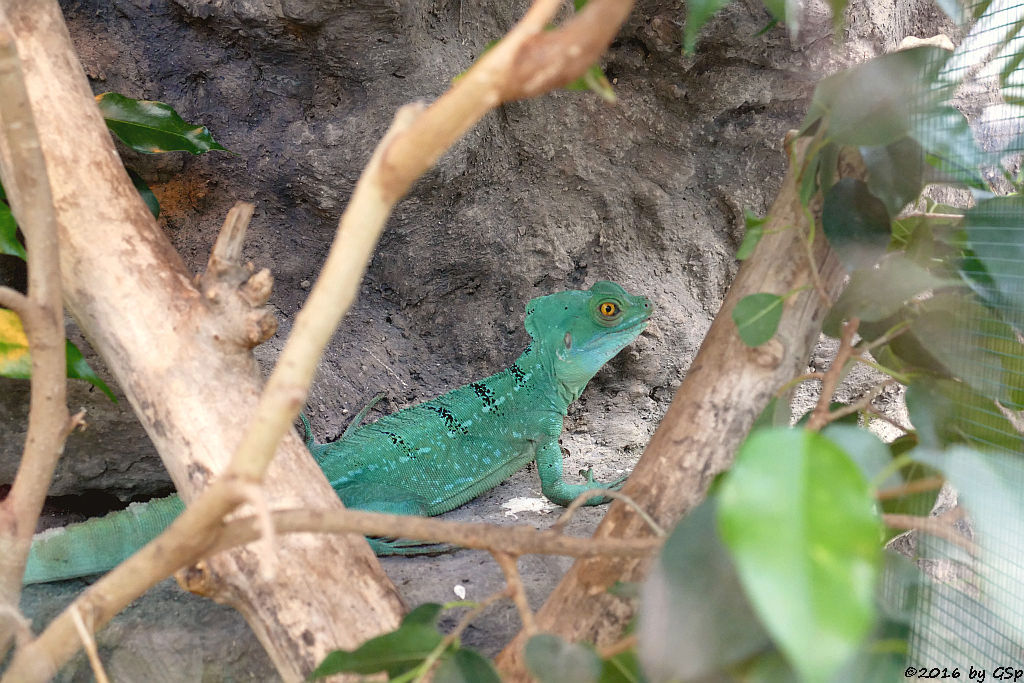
(484, 392)
(518, 374)
(400, 442)
(450, 422)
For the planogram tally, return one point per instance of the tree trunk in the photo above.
(726, 388)
(184, 361)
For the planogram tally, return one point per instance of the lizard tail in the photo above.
(98, 545)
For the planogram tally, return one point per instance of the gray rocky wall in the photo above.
(543, 195)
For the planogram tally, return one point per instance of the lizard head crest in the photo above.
(580, 331)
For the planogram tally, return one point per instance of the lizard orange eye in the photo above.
(608, 309)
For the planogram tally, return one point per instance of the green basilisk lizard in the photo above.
(429, 458)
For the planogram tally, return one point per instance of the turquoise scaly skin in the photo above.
(433, 457)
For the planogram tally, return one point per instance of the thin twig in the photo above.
(509, 567)
(90, 647)
(820, 416)
(520, 540)
(42, 314)
(618, 647)
(885, 418)
(862, 403)
(807, 376)
(910, 488)
(16, 301)
(932, 526)
(581, 500)
(897, 330)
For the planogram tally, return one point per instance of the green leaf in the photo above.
(995, 233)
(801, 523)
(15, 360)
(875, 294)
(946, 412)
(593, 79)
(695, 618)
(552, 660)
(757, 317)
(868, 104)
(856, 223)
(698, 12)
(9, 242)
(396, 652)
(147, 194)
(949, 146)
(78, 368)
(152, 127)
(988, 486)
(895, 172)
(466, 666)
(622, 668)
(754, 231)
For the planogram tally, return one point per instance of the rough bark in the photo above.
(726, 388)
(185, 364)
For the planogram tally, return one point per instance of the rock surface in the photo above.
(542, 195)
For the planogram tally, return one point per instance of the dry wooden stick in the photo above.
(616, 648)
(42, 315)
(509, 567)
(580, 500)
(820, 415)
(518, 540)
(89, 643)
(910, 488)
(932, 526)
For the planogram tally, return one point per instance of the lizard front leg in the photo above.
(556, 489)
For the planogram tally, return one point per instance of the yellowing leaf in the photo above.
(14, 357)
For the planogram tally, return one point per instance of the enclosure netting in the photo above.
(969, 616)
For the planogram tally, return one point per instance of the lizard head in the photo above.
(580, 331)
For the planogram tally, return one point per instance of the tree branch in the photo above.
(42, 313)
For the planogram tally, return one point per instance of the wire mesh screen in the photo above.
(968, 618)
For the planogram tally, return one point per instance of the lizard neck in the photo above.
(535, 368)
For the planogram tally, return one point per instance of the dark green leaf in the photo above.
(552, 660)
(895, 172)
(768, 667)
(466, 666)
(757, 317)
(622, 668)
(869, 104)
(946, 412)
(754, 231)
(147, 194)
(695, 619)
(950, 149)
(801, 523)
(698, 12)
(9, 242)
(396, 652)
(829, 165)
(152, 127)
(79, 369)
(988, 486)
(995, 232)
(874, 294)
(15, 361)
(856, 223)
